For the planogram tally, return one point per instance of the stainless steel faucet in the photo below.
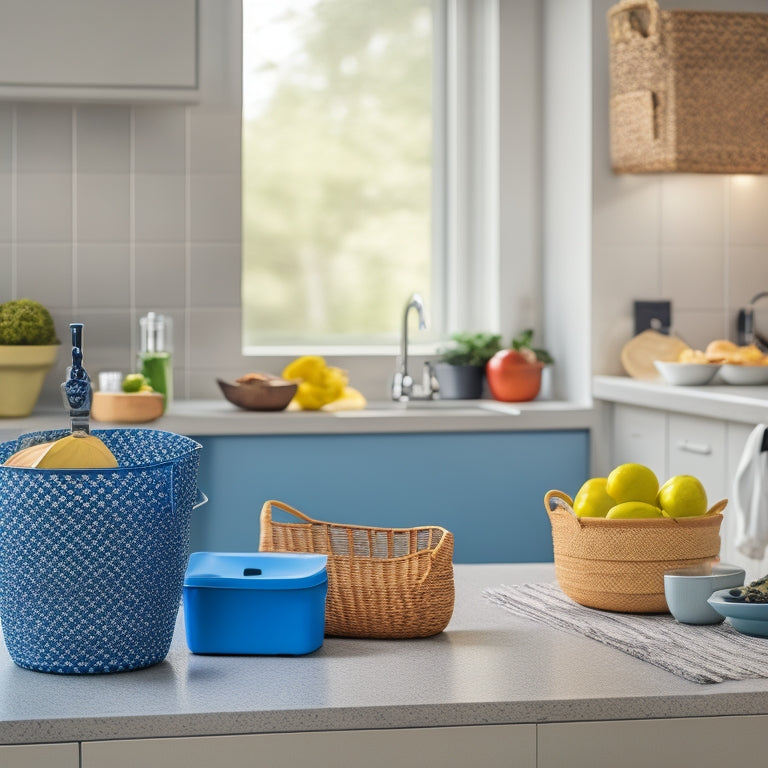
(403, 386)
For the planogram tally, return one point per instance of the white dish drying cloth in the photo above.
(750, 496)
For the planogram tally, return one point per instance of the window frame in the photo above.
(465, 220)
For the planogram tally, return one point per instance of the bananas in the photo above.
(76, 451)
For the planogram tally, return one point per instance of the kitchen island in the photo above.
(492, 689)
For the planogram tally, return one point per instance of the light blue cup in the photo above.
(687, 590)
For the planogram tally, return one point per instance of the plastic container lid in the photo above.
(255, 570)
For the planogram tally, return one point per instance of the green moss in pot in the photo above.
(460, 369)
(28, 350)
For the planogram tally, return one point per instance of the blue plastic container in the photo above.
(263, 603)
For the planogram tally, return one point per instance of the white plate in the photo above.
(747, 618)
(686, 374)
(744, 374)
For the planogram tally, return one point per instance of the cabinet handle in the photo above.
(702, 448)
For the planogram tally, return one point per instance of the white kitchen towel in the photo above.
(703, 654)
(750, 497)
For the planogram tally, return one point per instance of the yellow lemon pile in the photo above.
(321, 386)
(633, 491)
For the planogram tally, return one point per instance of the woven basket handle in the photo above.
(558, 500)
(265, 519)
(625, 23)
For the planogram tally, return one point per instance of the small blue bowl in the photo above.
(687, 591)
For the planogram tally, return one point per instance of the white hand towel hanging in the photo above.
(750, 496)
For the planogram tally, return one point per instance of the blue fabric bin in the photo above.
(259, 603)
(92, 561)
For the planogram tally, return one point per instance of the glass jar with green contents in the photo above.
(156, 352)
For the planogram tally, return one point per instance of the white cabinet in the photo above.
(40, 756)
(110, 50)
(639, 435)
(450, 747)
(706, 742)
(676, 444)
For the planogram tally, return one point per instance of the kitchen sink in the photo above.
(423, 408)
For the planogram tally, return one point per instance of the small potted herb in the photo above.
(28, 350)
(460, 369)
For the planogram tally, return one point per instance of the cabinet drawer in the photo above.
(640, 436)
(40, 756)
(697, 447)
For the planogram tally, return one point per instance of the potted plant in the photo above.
(514, 374)
(28, 350)
(461, 367)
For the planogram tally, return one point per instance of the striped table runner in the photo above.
(703, 654)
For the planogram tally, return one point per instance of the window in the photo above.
(356, 176)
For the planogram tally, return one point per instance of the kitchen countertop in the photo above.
(488, 667)
(218, 417)
(731, 403)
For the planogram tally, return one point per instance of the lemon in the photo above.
(134, 382)
(633, 510)
(319, 383)
(682, 496)
(592, 500)
(633, 482)
(76, 451)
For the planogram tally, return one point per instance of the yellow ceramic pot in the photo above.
(22, 373)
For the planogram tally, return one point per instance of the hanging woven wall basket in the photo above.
(689, 90)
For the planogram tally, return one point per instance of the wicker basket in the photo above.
(619, 565)
(382, 582)
(689, 90)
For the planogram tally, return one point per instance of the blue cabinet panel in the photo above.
(487, 487)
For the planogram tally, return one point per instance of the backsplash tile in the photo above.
(6, 137)
(103, 207)
(6, 206)
(159, 139)
(44, 138)
(44, 273)
(44, 207)
(215, 275)
(748, 210)
(160, 207)
(103, 275)
(215, 208)
(6, 272)
(103, 139)
(161, 275)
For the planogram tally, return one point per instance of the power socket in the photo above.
(653, 314)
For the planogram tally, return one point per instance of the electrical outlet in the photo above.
(653, 314)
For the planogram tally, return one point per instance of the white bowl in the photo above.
(687, 591)
(686, 374)
(744, 374)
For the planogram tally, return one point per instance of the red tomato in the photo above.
(514, 375)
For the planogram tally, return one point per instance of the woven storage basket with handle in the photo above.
(689, 90)
(382, 582)
(619, 565)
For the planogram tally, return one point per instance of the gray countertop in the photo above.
(488, 667)
(218, 417)
(730, 403)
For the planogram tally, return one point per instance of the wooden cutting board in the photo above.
(638, 354)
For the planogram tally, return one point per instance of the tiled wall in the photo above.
(700, 240)
(109, 211)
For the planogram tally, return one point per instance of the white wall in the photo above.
(700, 240)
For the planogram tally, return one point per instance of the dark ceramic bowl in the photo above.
(268, 394)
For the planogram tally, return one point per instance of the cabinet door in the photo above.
(99, 49)
(40, 756)
(707, 742)
(640, 436)
(455, 747)
(697, 447)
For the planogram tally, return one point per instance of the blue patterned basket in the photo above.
(92, 561)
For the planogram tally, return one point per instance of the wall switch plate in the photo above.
(653, 314)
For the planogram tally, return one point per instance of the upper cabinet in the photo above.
(99, 50)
